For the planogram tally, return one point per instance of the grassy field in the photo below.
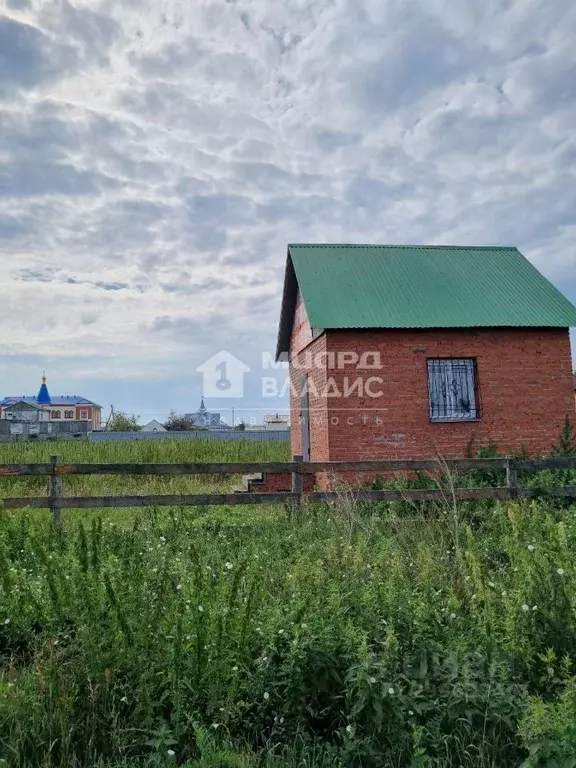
(142, 451)
(360, 635)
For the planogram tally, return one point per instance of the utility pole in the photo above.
(110, 418)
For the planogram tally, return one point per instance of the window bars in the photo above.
(452, 390)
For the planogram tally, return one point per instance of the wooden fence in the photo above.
(56, 471)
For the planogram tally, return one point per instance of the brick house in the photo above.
(422, 351)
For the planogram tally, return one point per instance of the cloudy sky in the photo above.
(157, 155)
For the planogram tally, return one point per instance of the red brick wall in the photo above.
(524, 382)
(303, 353)
(301, 330)
(94, 414)
(87, 408)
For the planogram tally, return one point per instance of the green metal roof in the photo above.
(418, 286)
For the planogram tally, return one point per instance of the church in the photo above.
(205, 418)
(44, 407)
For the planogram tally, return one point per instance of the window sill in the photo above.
(455, 421)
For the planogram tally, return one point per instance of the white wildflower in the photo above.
(452, 615)
(525, 607)
(266, 695)
(348, 729)
(170, 753)
(560, 571)
(234, 669)
(200, 608)
(410, 712)
(490, 583)
(372, 680)
(6, 621)
(178, 586)
(530, 548)
(229, 566)
(534, 607)
(504, 593)
(391, 691)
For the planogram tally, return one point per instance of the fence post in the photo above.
(511, 477)
(55, 492)
(297, 484)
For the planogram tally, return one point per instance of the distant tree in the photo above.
(123, 422)
(240, 427)
(177, 422)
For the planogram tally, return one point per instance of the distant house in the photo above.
(277, 422)
(60, 408)
(154, 426)
(420, 351)
(23, 411)
(204, 418)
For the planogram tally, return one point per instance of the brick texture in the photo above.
(275, 482)
(525, 390)
(304, 352)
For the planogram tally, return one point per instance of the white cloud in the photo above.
(156, 157)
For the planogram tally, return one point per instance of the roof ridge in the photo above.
(400, 246)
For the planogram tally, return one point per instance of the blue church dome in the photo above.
(43, 397)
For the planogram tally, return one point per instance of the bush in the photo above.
(548, 728)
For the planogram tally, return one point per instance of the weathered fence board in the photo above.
(17, 470)
(56, 472)
(234, 499)
(238, 468)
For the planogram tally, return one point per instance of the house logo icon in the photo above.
(223, 375)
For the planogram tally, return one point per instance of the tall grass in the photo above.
(140, 451)
(348, 639)
(360, 635)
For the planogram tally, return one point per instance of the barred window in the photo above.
(55, 414)
(68, 414)
(452, 389)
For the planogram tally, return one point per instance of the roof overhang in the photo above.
(289, 297)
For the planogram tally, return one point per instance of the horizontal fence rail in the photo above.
(299, 467)
(56, 472)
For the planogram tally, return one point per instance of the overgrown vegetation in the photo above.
(360, 635)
